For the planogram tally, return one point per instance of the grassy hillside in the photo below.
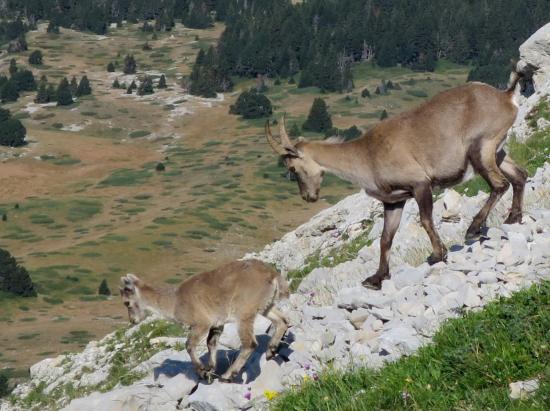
(467, 367)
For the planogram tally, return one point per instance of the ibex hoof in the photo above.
(513, 219)
(205, 373)
(374, 282)
(434, 259)
(473, 234)
(271, 352)
(228, 378)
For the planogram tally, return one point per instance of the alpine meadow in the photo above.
(274, 204)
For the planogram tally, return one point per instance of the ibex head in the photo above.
(308, 173)
(130, 297)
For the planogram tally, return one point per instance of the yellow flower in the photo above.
(269, 394)
(306, 378)
(409, 379)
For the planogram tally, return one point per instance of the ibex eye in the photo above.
(292, 169)
(127, 303)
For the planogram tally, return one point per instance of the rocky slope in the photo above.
(333, 320)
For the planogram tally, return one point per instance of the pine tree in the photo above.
(365, 93)
(73, 85)
(42, 95)
(162, 82)
(35, 58)
(130, 65)
(251, 104)
(52, 28)
(24, 80)
(104, 288)
(110, 67)
(383, 115)
(14, 278)
(116, 84)
(64, 95)
(318, 119)
(84, 88)
(131, 87)
(9, 92)
(13, 67)
(12, 133)
(4, 114)
(4, 387)
(294, 130)
(145, 87)
(52, 93)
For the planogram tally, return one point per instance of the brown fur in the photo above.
(234, 292)
(407, 155)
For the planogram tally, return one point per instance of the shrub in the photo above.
(251, 104)
(116, 84)
(383, 115)
(104, 288)
(365, 93)
(160, 167)
(14, 278)
(318, 119)
(111, 67)
(4, 217)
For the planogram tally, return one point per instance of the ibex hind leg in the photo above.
(212, 343)
(248, 345)
(517, 177)
(484, 160)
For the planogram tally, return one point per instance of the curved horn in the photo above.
(284, 135)
(276, 146)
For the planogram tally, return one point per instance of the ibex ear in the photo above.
(292, 151)
(133, 278)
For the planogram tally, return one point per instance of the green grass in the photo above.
(127, 177)
(334, 257)
(467, 367)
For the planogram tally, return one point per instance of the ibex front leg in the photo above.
(392, 218)
(423, 196)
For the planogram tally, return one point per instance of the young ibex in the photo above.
(438, 143)
(235, 292)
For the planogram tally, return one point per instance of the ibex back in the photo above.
(235, 292)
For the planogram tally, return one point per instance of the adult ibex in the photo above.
(235, 292)
(438, 144)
